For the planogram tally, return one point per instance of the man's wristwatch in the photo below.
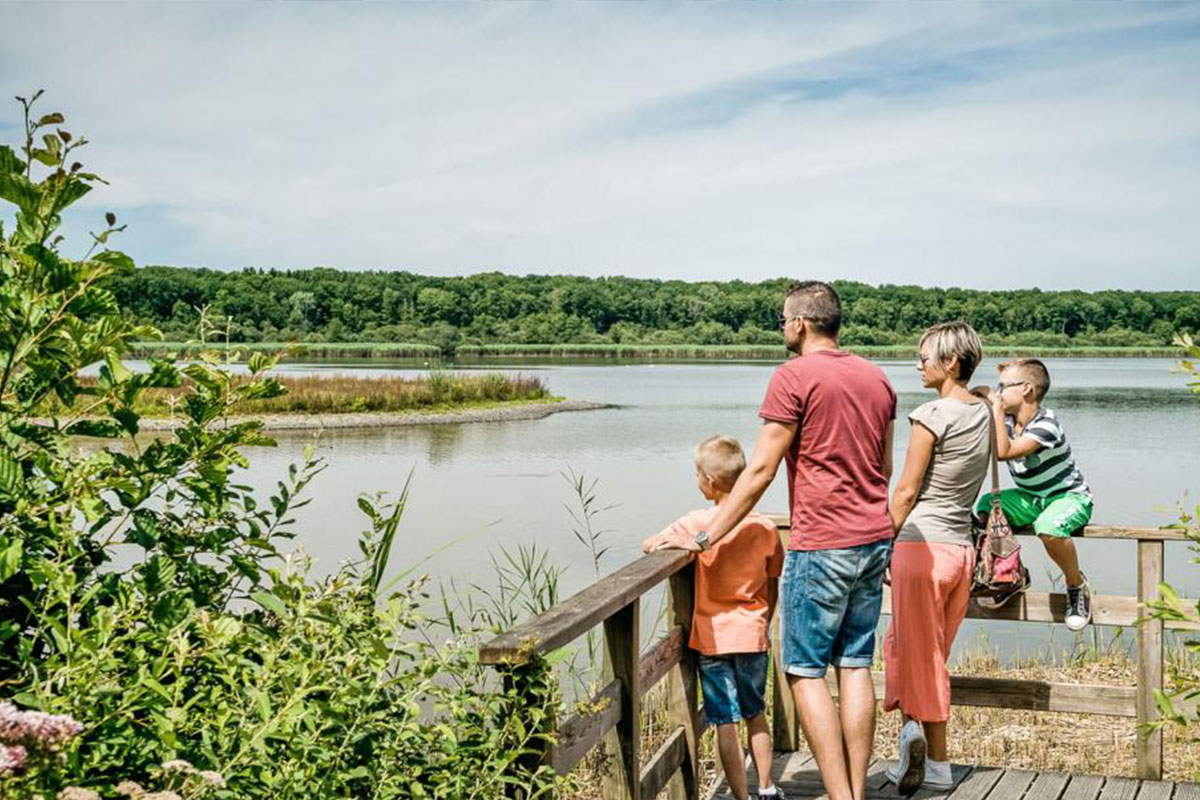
(701, 540)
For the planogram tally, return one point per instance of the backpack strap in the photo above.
(995, 454)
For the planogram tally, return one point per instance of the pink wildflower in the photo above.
(36, 730)
(130, 789)
(166, 795)
(213, 778)
(12, 759)
(177, 766)
(78, 793)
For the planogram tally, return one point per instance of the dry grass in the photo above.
(333, 394)
(1043, 741)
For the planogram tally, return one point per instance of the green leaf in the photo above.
(146, 529)
(20, 191)
(46, 157)
(99, 428)
(270, 602)
(114, 258)
(9, 161)
(150, 683)
(11, 477)
(10, 559)
(53, 118)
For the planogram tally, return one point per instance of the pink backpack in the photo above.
(999, 574)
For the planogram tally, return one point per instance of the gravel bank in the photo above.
(296, 422)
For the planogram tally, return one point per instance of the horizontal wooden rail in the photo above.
(1107, 609)
(1088, 532)
(584, 610)
(1029, 695)
(659, 659)
(663, 764)
(577, 735)
(580, 733)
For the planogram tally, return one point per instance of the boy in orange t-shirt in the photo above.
(737, 583)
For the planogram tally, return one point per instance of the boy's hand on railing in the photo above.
(670, 539)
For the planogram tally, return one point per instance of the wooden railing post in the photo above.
(622, 776)
(682, 686)
(785, 726)
(1150, 661)
(529, 685)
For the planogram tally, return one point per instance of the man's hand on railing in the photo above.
(672, 538)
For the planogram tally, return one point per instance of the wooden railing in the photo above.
(614, 714)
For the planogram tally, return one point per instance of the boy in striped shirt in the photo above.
(1050, 494)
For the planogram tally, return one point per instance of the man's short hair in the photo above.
(950, 339)
(817, 302)
(721, 458)
(1032, 370)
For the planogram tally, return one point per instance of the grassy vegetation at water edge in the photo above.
(293, 349)
(341, 394)
(778, 352)
(668, 352)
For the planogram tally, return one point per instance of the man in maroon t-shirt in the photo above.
(830, 415)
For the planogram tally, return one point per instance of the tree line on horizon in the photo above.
(328, 305)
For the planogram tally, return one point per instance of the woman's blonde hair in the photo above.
(721, 458)
(950, 339)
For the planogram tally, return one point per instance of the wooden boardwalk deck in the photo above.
(796, 774)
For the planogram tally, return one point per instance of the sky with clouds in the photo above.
(1004, 145)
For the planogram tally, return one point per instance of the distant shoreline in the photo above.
(504, 412)
(469, 354)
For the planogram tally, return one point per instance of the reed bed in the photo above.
(632, 352)
(300, 349)
(776, 352)
(333, 394)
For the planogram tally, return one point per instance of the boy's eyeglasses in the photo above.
(1001, 386)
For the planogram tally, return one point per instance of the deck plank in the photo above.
(977, 784)
(1155, 790)
(1048, 786)
(1083, 787)
(1119, 789)
(1012, 784)
(1187, 791)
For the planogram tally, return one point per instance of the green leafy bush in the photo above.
(144, 591)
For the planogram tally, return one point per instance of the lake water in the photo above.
(478, 487)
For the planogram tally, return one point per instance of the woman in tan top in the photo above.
(949, 453)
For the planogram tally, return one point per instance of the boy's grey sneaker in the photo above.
(909, 772)
(1079, 606)
(938, 777)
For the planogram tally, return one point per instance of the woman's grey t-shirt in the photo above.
(961, 457)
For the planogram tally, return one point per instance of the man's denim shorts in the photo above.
(734, 686)
(829, 607)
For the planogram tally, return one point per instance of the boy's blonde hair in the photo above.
(950, 339)
(1032, 370)
(721, 459)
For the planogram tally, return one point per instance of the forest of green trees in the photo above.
(327, 305)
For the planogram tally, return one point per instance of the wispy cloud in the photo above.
(1001, 145)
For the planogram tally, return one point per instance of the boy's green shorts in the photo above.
(1049, 516)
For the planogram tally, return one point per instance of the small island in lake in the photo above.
(347, 401)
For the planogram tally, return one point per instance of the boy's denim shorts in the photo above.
(829, 607)
(734, 686)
